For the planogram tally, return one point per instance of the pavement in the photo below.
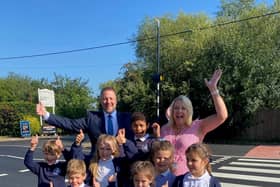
(252, 151)
(264, 151)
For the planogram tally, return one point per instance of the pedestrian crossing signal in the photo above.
(157, 78)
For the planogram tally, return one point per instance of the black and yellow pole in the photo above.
(158, 65)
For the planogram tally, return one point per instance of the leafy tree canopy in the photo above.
(242, 40)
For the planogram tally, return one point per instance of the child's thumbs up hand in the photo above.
(156, 130)
(59, 143)
(121, 136)
(34, 142)
(80, 137)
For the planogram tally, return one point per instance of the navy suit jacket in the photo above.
(93, 124)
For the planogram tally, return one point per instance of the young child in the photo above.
(51, 171)
(142, 140)
(162, 155)
(139, 148)
(104, 164)
(76, 173)
(143, 174)
(197, 156)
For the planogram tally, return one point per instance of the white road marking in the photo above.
(23, 170)
(21, 146)
(247, 177)
(255, 164)
(223, 184)
(258, 160)
(22, 158)
(11, 156)
(255, 170)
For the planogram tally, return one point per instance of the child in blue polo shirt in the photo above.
(162, 156)
(142, 139)
(50, 171)
(76, 173)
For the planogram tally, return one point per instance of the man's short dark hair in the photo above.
(107, 88)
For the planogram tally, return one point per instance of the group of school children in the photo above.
(146, 161)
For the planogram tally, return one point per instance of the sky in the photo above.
(31, 27)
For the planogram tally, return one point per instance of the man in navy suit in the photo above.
(95, 123)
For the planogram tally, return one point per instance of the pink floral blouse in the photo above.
(181, 141)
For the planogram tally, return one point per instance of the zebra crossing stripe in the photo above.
(255, 164)
(255, 170)
(258, 160)
(3, 174)
(223, 184)
(247, 177)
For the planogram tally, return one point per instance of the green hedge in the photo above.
(10, 115)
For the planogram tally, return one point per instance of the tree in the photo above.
(192, 48)
(19, 95)
(16, 87)
(9, 121)
(248, 51)
(73, 97)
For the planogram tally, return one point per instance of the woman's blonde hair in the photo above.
(203, 151)
(76, 166)
(103, 138)
(145, 168)
(187, 104)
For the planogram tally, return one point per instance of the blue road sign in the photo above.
(25, 128)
